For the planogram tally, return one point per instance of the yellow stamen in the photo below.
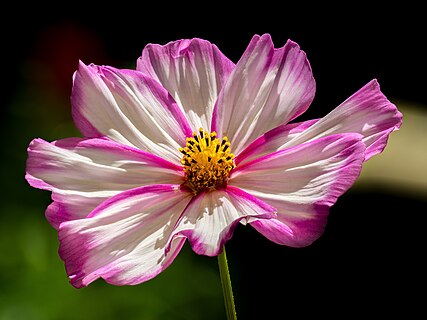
(207, 161)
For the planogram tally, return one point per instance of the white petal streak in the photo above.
(124, 240)
(305, 173)
(128, 107)
(272, 141)
(71, 205)
(367, 112)
(84, 172)
(268, 87)
(211, 217)
(193, 71)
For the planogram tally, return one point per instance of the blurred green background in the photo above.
(370, 258)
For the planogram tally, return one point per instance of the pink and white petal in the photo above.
(124, 239)
(82, 173)
(193, 71)
(211, 217)
(71, 205)
(271, 141)
(130, 108)
(302, 182)
(367, 112)
(267, 88)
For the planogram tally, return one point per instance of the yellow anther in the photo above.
(207, 161)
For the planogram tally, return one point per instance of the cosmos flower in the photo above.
(190, 145)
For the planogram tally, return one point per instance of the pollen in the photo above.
(207, 161)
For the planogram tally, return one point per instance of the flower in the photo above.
(189, 145)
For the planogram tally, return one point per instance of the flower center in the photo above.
(207, 161)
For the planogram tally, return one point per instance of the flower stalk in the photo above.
(227, 290)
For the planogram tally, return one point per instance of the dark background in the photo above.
(370, 260)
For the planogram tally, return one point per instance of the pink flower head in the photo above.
(189, 145)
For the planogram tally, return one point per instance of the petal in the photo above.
(84, 172)
(193, 71)
(128, 107)
(211, 217)
(71, 205)
(367, 112)
(123, 240)
(271, 141)
(302, 182)
(267, 88)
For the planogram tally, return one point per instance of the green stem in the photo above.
(226, 286)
